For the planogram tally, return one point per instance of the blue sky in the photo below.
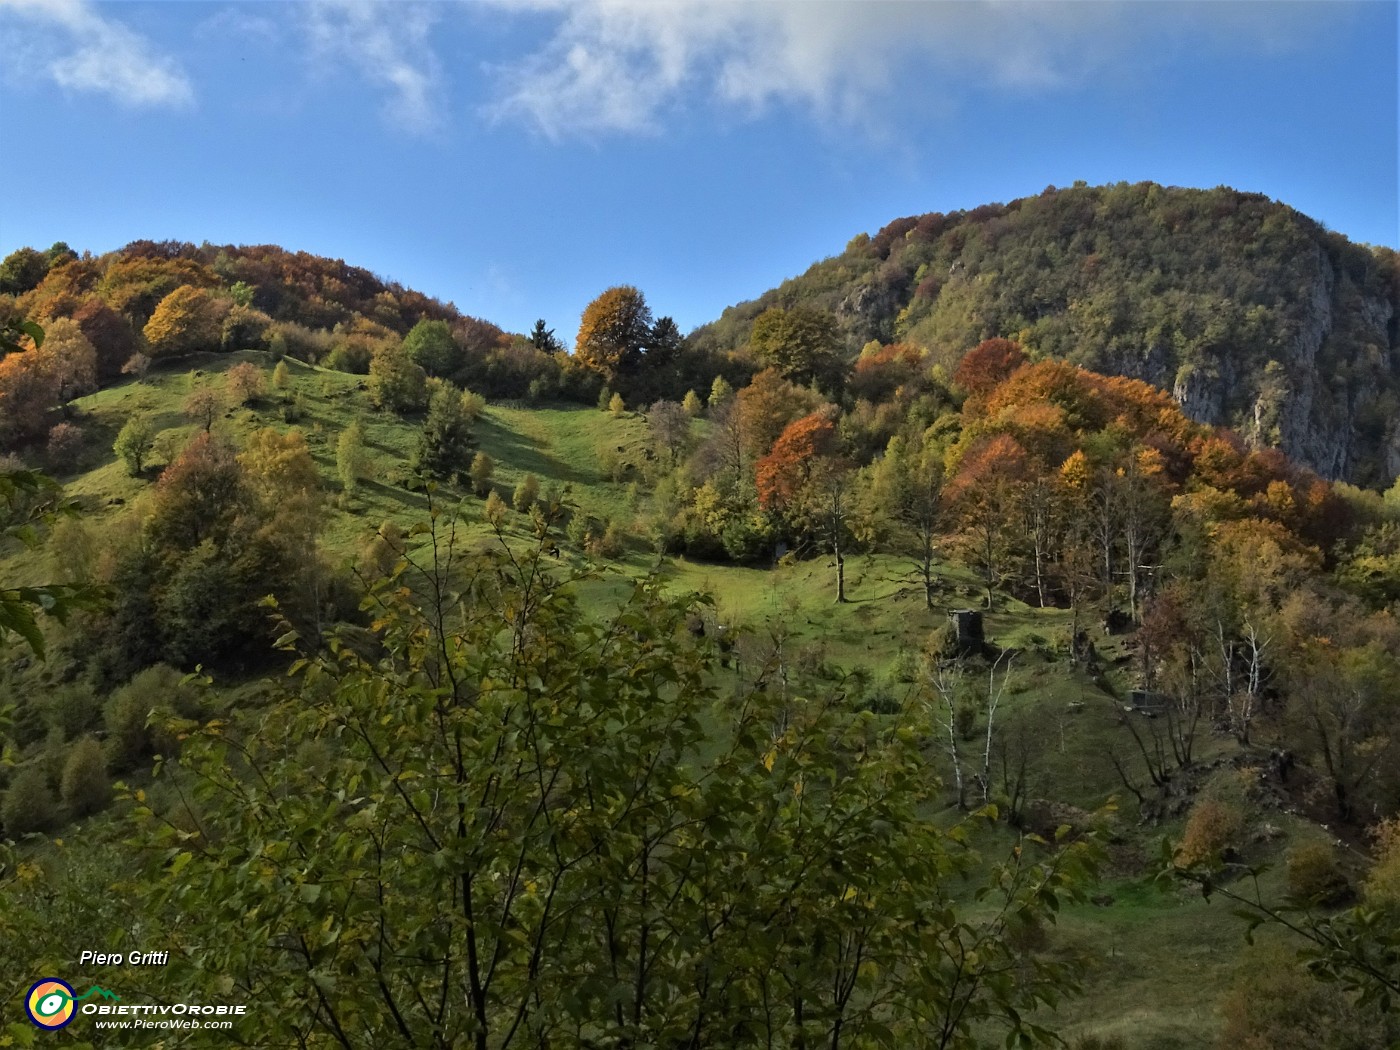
(518, 156)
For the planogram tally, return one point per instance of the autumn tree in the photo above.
(185, 321)
(29, 392)
(784, 472)
(614, 330)
(199, 496)
(984, 494)
(720, 392)
(278, 466)
(110, 334)
(69, 357)
(767, 405)
(1339, 714)
(526, 493)
(203, 405)
(987, 365)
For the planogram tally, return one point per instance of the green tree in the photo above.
(429, 344)
(351, 458)
(134, 442)
(511, 821)
(22, 270)
(720, 392)
(444, 442)
(801, 343)
(665, 341)
(616, 406)
(395, 382)
(543, 338)
(692, 404)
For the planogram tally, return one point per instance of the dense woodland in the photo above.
(523, 787)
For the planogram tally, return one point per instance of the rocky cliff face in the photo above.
(1334, 414)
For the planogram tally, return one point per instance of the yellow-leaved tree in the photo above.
(613, 331)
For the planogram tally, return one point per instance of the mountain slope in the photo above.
(1253, 315)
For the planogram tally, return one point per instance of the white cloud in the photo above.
(85, 51)
(626, 65)
(389, 44)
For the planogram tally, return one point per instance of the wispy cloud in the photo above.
(630, 65)
(82, 50)
(388, 44)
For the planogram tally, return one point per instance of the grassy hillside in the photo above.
(1160, 960)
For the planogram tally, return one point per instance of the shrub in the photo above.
(85, 786)
(1099, 1042)
(483, 466)
(526, 493)
(1314, 874)
(495, 509)
(71, 709)
(1211, 833)
(610, 543)
(350, 357)
(149, 696)
(616, 406)
(1275, 1003)
(138, 364)
(473, 404)
(29, 804)
(1383, 880)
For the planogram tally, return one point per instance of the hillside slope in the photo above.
(1253, 315)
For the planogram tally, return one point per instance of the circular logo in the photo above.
(50, 1003)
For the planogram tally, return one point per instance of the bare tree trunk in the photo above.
(994, 695)
(945, 676)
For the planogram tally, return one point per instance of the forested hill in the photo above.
(1253, 315)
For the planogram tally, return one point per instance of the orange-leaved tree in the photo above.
(613, 331)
